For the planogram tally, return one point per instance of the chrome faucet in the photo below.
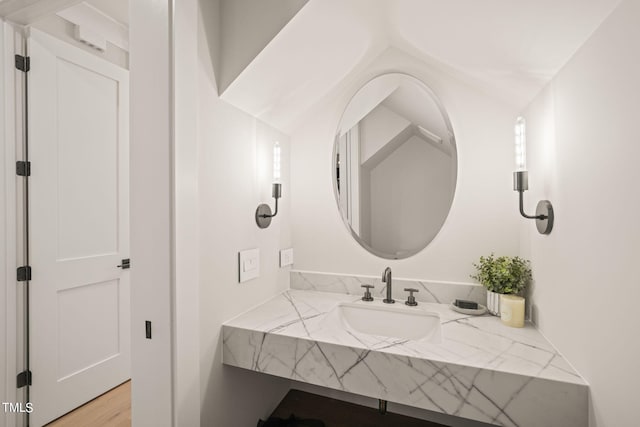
(386, 278)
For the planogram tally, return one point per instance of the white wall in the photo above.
(186, 322)
(377, 129)
(152, 201)
(411, 191)
(246, 28)
(583, 150)
(235, 161)
(483, 218)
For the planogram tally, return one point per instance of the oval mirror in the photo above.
(394, 166)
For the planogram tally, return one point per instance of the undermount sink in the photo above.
(393, 321)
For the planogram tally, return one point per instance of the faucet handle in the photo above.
(367, 292)
(411, 300)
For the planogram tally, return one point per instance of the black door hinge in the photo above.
(23, 168)
(23, 63)
(24, 273)
(126, 263)
(23, 379)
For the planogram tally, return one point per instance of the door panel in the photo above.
(87, 312)
(80, 310)
(87, 162)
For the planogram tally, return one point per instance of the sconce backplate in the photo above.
(261, 220)
(545, 208)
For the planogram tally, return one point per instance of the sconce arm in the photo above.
(270, 215)
(263, 213)
(521, 194)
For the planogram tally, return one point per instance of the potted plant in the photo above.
(502, 275)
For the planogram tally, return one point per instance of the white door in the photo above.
(79, 216)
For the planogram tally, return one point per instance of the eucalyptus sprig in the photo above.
(504, 274)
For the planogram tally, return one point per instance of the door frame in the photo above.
(164, 364)
(12, 138)
(4, 221)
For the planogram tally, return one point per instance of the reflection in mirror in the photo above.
(395, 166)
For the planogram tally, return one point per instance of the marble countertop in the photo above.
(482, 369)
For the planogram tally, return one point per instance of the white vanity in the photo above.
(477, 369)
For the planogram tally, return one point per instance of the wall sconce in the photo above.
(544, 209)
(263, 213)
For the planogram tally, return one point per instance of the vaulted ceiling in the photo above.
(508, 48)
(277, 59)
(29, 12)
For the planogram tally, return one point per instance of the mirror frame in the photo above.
(334, 154)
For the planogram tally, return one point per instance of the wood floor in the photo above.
(112, 409)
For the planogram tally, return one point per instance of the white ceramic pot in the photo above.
(493, 303)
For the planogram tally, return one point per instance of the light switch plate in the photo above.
(248, 264)
(286, 257)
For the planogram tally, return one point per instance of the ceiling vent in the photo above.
(90, 38)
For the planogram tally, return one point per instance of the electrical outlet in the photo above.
(286, 257)
(248, 264)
